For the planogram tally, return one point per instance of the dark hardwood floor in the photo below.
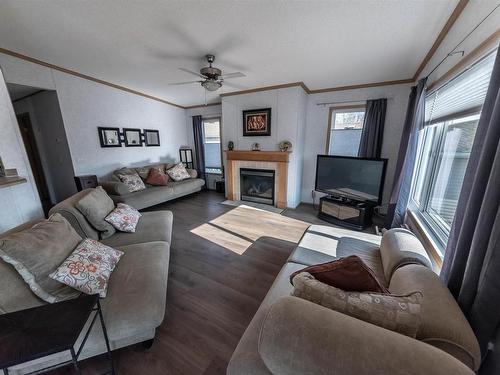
(223, 261)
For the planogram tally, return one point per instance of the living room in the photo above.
(249, 187)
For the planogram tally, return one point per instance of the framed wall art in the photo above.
(133, 137)
(109, 137)
(151, 137)
(257, 122)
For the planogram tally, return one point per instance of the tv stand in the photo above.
(345, 212)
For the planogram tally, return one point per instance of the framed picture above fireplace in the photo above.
(257, 122)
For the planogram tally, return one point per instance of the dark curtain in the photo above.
(414, 121)
(471, 266)
(370, 145)
(199, 146)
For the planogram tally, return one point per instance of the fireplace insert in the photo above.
(257, 185)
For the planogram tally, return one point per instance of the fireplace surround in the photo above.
(257, 185)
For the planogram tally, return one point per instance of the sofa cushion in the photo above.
(143, 172)
(186, 186)
(88, 267)
(349, 274)
(146, 198)
(137, 290)
(95, 206)
(321, 244)
(396, 313)
(38, 251)
(67, 208)
(133, 182)
(157, 177)
(178, 172)
(124, 218)
(443, 323)
(153, 226)
(400, 247)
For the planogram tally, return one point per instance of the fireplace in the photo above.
(257, 185)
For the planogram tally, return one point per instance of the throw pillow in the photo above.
(397, 313)
(124, 218)
(133, 182)
(193, 173)
(89, 267)
(178, 172)
(143, 172)
(349, 274)
(95, 206)
(157, 177)
(38, 251)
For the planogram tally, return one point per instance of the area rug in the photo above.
(261, 206)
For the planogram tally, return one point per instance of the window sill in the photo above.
(430, 244)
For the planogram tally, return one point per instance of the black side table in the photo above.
(44, 330)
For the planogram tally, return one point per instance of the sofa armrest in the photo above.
(115, 188)
(300, 337)
(193, 173)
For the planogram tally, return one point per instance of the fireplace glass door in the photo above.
(257, 185)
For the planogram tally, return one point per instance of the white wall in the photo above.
(317, 128)
(19, 203)
(287, 116)
(85, 105)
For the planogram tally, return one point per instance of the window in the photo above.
(211, 140)
(451, 116)
(344, 130)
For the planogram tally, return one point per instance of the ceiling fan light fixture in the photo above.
(211, 85)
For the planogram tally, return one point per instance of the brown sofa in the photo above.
(292, 336)
(152, 195)
(136, 297)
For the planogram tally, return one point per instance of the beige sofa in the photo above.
(152, 195)
(292, 336)
(136, 298)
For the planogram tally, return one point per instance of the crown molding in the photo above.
(84, 76)
(362, 86)
(267, 88)
(202, 105)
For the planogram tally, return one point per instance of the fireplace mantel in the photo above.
(276, 160)
(273, 156)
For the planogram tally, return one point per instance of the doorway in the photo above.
(29, 140)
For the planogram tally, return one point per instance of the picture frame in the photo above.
(151, 137)
(109, 137)
(257, 122)
(132, 137)
(2, 168)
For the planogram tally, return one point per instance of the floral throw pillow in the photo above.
(124, 218)
(88, 268)
(133, 182)
(178, 172)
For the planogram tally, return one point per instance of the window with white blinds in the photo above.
(452, 113)
(464, 94)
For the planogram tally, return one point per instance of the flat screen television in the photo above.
(361, 179)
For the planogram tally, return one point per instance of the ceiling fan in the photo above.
(211, 77)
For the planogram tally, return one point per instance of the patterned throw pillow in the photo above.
(133, 182)
(178, 172)
(397, 313)
(124, 218)
(157, 177)
(88, 268)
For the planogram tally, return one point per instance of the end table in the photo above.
(37, 332)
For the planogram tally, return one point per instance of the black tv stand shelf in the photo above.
(346, 212)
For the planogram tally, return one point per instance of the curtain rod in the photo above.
(453, 52)
(362, 101)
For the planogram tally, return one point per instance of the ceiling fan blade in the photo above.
(191, 72)
(233, 75)
(183, 83)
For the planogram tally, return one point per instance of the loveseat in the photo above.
(135, 303)
(152, 195)
(292, 336)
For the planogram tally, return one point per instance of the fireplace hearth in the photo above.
(257, 185)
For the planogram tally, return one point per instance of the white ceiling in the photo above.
(141, 44)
